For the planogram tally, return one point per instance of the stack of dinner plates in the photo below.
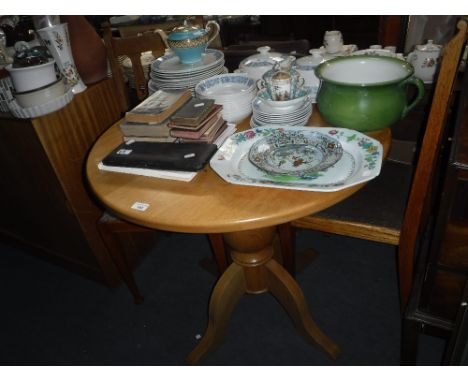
(168, 73)
(295, 112)
(234, 92)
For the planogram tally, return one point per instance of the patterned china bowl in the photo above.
(227, 85)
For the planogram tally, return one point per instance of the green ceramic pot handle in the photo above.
(420, 85)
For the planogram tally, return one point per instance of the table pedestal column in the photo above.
(255, 271)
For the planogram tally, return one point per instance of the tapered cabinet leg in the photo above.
(409, 341)
(226, 294)
(118, 256)
(289, 294)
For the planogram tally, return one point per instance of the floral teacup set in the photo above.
(282, 83)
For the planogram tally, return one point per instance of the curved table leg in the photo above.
(254, 271)
(226, 294)
(290, 295)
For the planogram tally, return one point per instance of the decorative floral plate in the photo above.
(297, 153)
(361, 160)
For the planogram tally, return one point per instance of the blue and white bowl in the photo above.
(234, 92)
(225, 86)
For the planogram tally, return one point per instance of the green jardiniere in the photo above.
(366, 93)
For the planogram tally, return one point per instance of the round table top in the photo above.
(206, 204)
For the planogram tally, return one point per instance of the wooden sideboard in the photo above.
(44, 201)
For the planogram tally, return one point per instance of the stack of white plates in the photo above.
(168, 73)
(234, 92)
(294, 112)
(146, 59)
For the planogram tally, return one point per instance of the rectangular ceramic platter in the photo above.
(361, 161)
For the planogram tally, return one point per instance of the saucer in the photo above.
(170, 63)
(374, 52)
(346, 50)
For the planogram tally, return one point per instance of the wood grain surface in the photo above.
(207, 204)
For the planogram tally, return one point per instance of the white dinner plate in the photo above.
(170, 63)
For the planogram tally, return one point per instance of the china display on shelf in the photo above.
(360, 160)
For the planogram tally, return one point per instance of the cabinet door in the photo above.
(33, 206)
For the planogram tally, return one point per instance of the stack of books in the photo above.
(169, 135)
(149, 120)
(199, 120)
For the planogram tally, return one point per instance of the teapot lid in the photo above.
(429, 47)
(264, 58)
(186, 31)
(310, 62)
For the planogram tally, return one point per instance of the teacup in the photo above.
(281, 84)
(333, 41)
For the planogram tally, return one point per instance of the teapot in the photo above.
(425, 59)
(188, 41)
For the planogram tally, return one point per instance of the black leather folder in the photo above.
(161, 155)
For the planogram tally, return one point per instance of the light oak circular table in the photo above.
(246, 216)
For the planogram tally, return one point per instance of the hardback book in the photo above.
(193, 112)
(210, 135)
(225, 134)
(159, 106)
(161, 156)
(145, 129)
(137, 138)
(184, 176)
(214, 111)
(195, 134)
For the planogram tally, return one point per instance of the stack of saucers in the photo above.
(168, 73)
(294, 112)
(234, 92)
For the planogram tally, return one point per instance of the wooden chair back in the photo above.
(132, 47)
(406, 204)
(419, 199)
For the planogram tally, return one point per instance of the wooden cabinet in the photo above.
(44, 200)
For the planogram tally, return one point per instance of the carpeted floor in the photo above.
(53, 317)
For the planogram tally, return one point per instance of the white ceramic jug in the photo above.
(425, 59)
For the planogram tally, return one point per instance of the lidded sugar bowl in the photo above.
(256, 65)
(425, 59)
(306, 67)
